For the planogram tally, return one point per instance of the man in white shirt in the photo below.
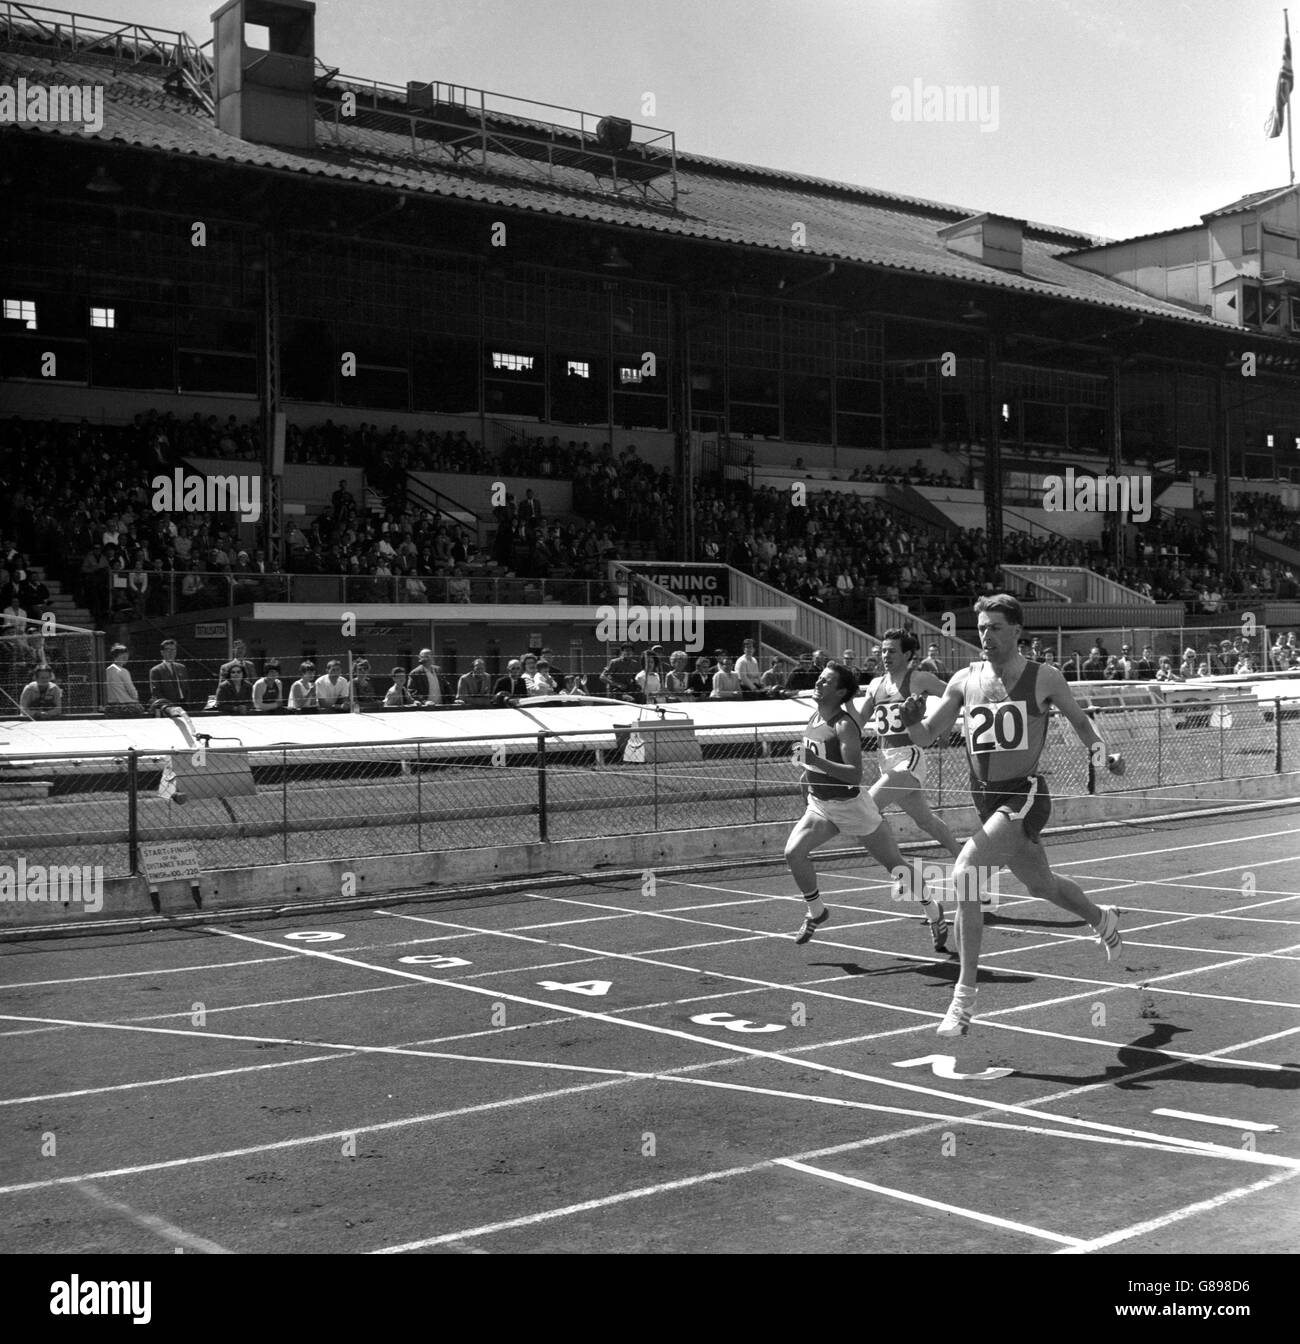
(423, 682)
(120, 695)
(748, 670)
(332, 690)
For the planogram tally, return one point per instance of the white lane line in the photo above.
(1230, 1154)
(1223, 1120)
(1177, 1215)
(160, 1227)
(216, 965)
(561, 923)
(927, 1203)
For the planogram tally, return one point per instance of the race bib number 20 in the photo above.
(1002, 727)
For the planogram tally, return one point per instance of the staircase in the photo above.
(63, 605)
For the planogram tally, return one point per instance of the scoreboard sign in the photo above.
(701, 585)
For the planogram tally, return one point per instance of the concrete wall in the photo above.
(286, 888)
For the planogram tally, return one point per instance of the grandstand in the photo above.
(237, 277)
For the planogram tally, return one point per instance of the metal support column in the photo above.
(992, 454)
(272, 478)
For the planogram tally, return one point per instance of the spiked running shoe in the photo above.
(809, 925)
(957, 1020)
(1108, 932)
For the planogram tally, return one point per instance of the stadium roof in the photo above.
(737, 204)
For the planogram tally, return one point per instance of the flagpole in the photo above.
(1290, 163)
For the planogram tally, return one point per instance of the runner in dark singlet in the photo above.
(1005, 699)
(831, 757)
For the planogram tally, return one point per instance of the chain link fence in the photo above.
(248, 808)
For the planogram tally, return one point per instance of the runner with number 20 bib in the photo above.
(1006, 699)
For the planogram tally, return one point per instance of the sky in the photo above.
(1110, 117)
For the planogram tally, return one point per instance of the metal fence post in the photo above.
(284, 800)
(132, 811)
(419, 798)
(1277, 736)
(1223, 714)
(541, 786)
(1092, 769)
(756, 774)
(1160, 755)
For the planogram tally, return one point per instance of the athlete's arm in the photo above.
(928, 684)
(1053, 689)
(926, 731)
(849, 734)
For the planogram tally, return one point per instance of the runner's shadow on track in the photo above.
(935, 970)
(992, 921)
(1132, 1059)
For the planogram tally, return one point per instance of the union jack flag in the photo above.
(1285, 79)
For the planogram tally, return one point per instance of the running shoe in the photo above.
(957, 1019)
(939, 931)
(1108, 932)
(809, 924)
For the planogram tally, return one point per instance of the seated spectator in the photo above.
(1145, 667)
(726, 683)
(362, 690)
(398, 696)
(648, 681)
(41, 698)
(1165, 672)
(475, 686)
(120, 696)
(700, 682)
(332, 690)
(239, 658)
(1188, 665)
(268, 690)
(15, 630)
(1112, 670)
(1203, 669)
(748, 669)
(458, 587)
(302, 694)
(510, 685)
(539, 679)
(234, 694)
(774, 677)
(1095, 664)
(803, 676)
(678, 676)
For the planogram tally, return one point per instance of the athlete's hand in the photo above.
(912, 710)
(1116, 764)
(810, 760)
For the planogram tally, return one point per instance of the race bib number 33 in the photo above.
(1001, 727)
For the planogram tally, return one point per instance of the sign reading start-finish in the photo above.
(702, 585)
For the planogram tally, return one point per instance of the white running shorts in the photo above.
(910, 759)
(852, 816)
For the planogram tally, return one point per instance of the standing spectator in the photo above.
(560, 678)
(333, 690)
(234, 694)
(169, 683)
(539, 678)
(268, 690)
(1166, 670)
(620, 672)
(1094, 665)
(649, 682)
(932, 663)
(362, 689)
(120, 696)
(397, 695)
(302, 694)
(475, 686)
(424, 680)
(15, 630)
(1124, 664)
(1145, 667)
(41, 698)
(458, 587)
(748, 670)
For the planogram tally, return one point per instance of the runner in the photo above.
(831, 757)
(1005, 699)
(902, 762)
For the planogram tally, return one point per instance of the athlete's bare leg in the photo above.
(902, 789)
